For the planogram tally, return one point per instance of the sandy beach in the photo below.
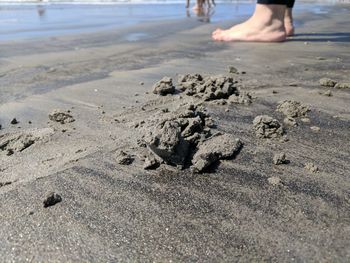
(248, 203)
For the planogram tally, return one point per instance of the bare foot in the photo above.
(266, 25)
(288, 22)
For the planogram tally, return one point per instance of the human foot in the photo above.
(266, 25)
(288, 22)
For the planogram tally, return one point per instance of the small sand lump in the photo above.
(274, 180)
(315, 128)
(61, 116)
(208, 88)
(218, 147)
(279, 158)
(164, 86)
(311, 167)
(151, 163)
(292, 108)
(233, 70)
(290, 121)
(124, 158)
(243, 98)
(267, 127)
(327, 82)
(342, 85)
(52, 199)
(14, 121)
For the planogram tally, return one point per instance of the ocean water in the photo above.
(26, 19)
(110, 2)
(20, 21)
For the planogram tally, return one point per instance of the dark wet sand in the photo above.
(114, 213)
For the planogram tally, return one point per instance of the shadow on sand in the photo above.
(322, 37)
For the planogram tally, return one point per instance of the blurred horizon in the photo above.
(35, 2)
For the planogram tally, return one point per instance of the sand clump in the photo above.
(52, 199)
(233, 70)
(327, 93)
(124, 158)
(14, 121)
(151, 163)
(212, 88)
(164, 87)
(61, 116)
(243, 98)
(311, 167)
(289, 121)
(267, 127)
(11, 143)
(219, 89)
(184, 138)
(327, 82)
(315, 128)
(221, 146)
(343, 85)
(208, 88)
(280, 158)
(274, 181)
(292, 108)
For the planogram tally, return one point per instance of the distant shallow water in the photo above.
(28, 21)
(25, 21)
(100, 2)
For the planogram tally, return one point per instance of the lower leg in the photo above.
(265, 25)
(198, 5)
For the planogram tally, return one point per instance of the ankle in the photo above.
(288, 16)
(269, 15)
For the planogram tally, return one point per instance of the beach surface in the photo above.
(244, 208)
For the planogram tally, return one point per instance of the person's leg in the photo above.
(265, 25)
(288, 18)
(198, 5)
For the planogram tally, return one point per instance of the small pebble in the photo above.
(279, 158)
(232, 69)
(315, 128)
(305, 120)
(52, 199)
(311, 167)
(14, 121)
(274, 180)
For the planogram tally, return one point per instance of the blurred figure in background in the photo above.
(202, 9)
(200, 4)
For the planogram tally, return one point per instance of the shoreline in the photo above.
(35, 22)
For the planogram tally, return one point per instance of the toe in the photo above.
(218, 30)
(217, 36)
